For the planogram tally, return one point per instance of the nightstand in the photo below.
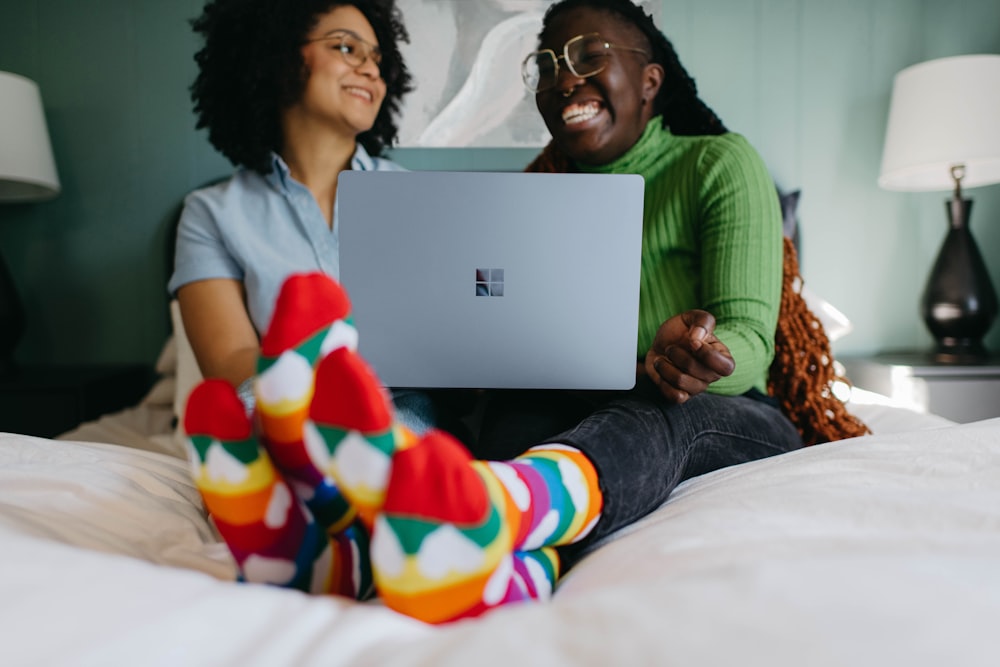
(961, 392)
(48, 400)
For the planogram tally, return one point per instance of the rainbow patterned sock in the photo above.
(311, 319)
(457, 537)
(351, 428)
(272, 536)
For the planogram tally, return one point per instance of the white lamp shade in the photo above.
(943, 112)
(27, 168)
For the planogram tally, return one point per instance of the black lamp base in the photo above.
(959, 303)
(11, 321)
(964, 352)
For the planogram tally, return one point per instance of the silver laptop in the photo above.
(493, 280)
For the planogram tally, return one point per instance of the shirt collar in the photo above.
(362, 161)
(280, 176)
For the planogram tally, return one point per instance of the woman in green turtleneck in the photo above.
(616, 100)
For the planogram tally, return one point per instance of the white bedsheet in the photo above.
(882, 550)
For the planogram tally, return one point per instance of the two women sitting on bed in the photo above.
(316, 478)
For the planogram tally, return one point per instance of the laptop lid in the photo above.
(493, 280)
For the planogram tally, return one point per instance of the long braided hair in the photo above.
(802, 375)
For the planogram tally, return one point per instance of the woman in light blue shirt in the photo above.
(291, 97)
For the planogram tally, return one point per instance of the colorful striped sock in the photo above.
(351, 430)
(272, 536)
(311, 319)
(457, 537)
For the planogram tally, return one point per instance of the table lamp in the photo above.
(944, 134)
(27, 173)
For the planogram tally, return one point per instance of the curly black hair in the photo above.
(251, 68)
(684, 113)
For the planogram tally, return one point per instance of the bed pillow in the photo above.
(790, 214)
(188, 373)
(834, 322)
(107, 498)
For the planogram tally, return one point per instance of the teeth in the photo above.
(579, 113)
(360, 92)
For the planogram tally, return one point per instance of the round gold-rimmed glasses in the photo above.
(356, 51)
(584, 55)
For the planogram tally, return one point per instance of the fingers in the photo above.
(678, 376)
(668, 380)
(708, 362)
(700, 324)
(686, 356)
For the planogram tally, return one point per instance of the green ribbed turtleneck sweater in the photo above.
(712, 239)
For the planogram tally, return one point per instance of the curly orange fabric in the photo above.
(802, 374)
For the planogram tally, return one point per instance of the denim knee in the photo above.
(414, 409)
(643, 447)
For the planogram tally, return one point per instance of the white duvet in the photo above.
(882, 550)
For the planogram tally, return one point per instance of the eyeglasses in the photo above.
(585, 56)
(356, 51)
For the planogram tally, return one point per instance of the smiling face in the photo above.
(342, 96)
(597, 119)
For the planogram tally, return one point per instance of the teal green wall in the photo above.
(807, 81)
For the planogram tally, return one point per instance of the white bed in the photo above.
(882, 550)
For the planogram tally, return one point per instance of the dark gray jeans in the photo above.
(641, 446)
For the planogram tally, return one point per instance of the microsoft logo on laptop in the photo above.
(489, 282)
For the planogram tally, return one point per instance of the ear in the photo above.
(652, 79)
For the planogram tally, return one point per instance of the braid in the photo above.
(802, 373)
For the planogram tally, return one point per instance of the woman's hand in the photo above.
(686, 356)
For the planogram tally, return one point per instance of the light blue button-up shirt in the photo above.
(259, 230)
